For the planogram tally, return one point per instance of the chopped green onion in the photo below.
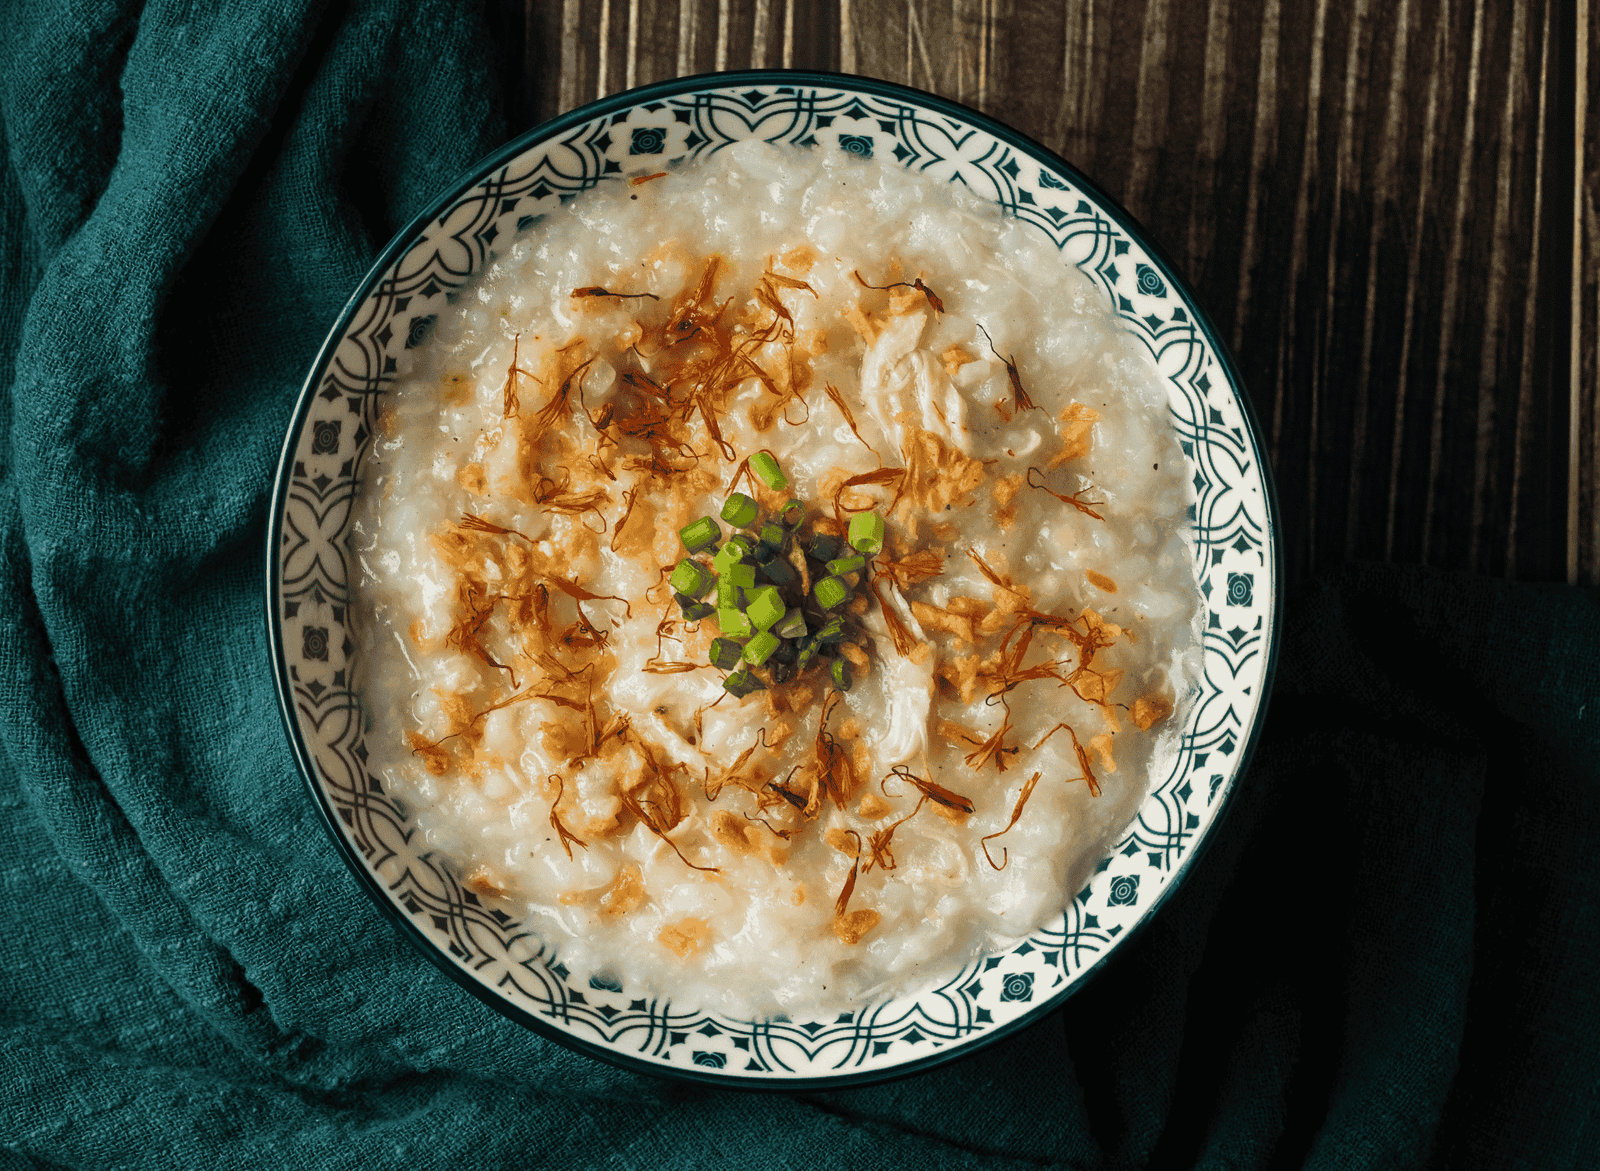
(866, 532)
(724, 654)
(740, 511)
(741, 683)
(690, 578)
(760, 623)
(733, 570)
(759, 649)
(765, 607)
(824, 547)
(693, 611)
(830, 592)
(778, 571)
(702, 534)
(767, 470)
(832, 631)
(734, 623)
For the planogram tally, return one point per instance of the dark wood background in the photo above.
(1388, 209)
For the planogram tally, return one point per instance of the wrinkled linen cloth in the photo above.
(1388, 958)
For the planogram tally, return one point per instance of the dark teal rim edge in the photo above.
(398, 245)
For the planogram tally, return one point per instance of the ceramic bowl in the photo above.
(481, 946)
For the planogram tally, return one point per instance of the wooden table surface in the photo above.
(1388, 209)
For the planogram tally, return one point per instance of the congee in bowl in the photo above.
(770, 585)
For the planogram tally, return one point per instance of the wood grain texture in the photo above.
(1584, 357)
(1388, 209)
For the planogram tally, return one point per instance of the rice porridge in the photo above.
(771, 582)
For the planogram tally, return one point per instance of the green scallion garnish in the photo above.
(866, 533)
(693, 611)
(778, 571)
(756, 577)
(724, 654)
(691, 578)
(791, 625)
(830, 592)
(702, 534)
(740, 511)
(734, 623)
(764, 607)
(832, 631)
(766, 468)
(824, 547)
(759, 649)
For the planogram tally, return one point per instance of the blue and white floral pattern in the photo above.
(482, 946)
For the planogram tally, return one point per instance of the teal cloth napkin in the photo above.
(1388, 959)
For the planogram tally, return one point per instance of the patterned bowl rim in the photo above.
(397, 247)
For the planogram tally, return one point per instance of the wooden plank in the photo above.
(815, 37)
(1028, 61)
(1583, 495)
(654, 48)
(1544, 524)
(1084, 74)
(1523, 428)
(1380, 223)
(541, 59)
(874, 39)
